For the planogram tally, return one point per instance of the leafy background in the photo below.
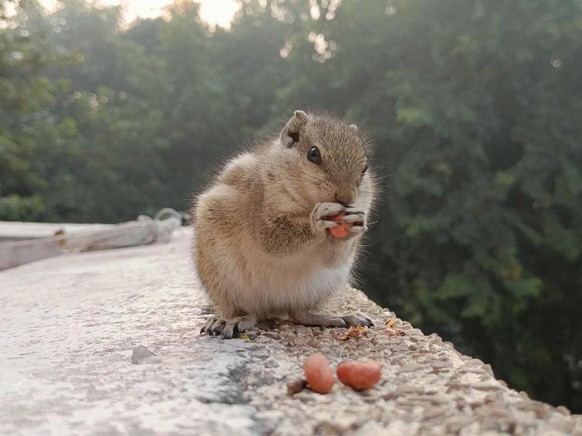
(474, 106)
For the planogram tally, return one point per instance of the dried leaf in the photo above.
(354, 332)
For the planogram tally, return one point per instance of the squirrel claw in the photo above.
(218, 327)
(214, 326)
(354, 218)
(357, 319)
(354, 210)
(322, 210)
(208, 324)
(228, 328)
(328, 224)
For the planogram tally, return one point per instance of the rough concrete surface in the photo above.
(71, 326)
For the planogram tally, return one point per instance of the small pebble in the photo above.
(296, 386)
(140, 353)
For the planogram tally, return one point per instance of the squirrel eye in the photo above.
(365, 169)
(313, 155)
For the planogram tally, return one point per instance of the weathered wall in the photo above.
(69, 325)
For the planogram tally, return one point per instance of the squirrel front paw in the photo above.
(321, 211)
(352, 219)
(356, 217)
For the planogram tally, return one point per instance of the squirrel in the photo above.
(263, 242)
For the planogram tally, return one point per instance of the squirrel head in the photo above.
(325, 159)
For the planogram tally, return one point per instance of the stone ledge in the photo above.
(69, 325)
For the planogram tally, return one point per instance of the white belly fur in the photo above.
(276, 286)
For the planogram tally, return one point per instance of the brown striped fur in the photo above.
(261, 247)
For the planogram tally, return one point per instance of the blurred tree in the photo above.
(35, 145)
(196, 101)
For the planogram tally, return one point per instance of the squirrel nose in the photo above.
(345, 197)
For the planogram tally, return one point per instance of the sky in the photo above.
(214, 12)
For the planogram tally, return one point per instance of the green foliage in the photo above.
(474, 107)
(35, 143)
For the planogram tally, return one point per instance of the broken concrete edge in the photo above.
(17, 250)
(29, 230)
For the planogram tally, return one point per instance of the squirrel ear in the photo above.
(293, 128)
(353, 128)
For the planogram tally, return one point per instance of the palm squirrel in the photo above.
(262, 242)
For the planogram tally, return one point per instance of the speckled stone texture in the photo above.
(107, 343)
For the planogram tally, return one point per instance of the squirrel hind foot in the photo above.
(228, 328)
(212, 325)
(324, 320)
(317, 319)
(357, 319)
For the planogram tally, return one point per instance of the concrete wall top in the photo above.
(69, 325)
